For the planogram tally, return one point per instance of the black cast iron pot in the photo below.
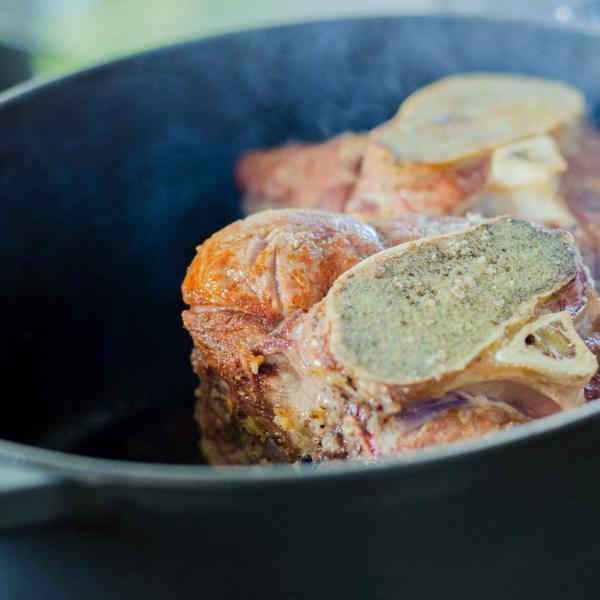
(108, 179)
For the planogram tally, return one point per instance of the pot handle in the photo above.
(30, 497)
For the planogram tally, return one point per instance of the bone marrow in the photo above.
(429, 307)
(318, 336)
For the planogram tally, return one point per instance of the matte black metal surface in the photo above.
(107, 182)
(518, 524)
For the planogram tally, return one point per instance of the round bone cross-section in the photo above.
(414, 313)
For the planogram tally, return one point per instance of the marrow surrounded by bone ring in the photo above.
(427, 309)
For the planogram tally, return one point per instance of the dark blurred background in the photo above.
(50, 37)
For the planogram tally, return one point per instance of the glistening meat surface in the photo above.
(289, 371)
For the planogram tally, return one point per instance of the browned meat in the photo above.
(320, 336)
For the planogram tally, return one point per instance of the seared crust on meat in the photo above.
(273, 386)
(277, 261)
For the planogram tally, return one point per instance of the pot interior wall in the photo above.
(110, 178)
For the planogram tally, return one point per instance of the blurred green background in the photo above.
(58, 36)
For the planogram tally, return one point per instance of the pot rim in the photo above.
(35, 84)
(85, 469)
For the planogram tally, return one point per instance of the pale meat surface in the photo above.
(328, 172)
(352, 174)
(546, 172)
